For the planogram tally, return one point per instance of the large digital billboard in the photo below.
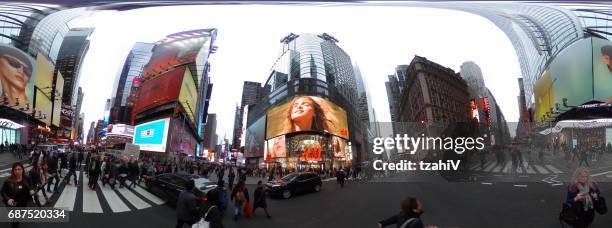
(188, 97)
(16, 78)
(57, 105)
(159, 90)
(43, 87)
(340, 148)
(254, 138)
(120, 130)
(307, 113)
(176, 49)
(602, 69)
(276, 147)
(152, 136)
(308, 147)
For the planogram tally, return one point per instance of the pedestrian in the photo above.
(72, 170)
(583, 158)
(340, 175)
(409, 216)
(240, 197)
(133, 173)
(186, 206)
(259, 199)
(53, 174)
(222, 193)
(80, 159)
(211, 210)
(230, 178)
(63, 163)
(583, 195)
(38, 178)
(94, 172)
(16, 191)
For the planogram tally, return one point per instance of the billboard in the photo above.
(254, 138)
(277, 147)
(307, 113)
(308, 147)
(152, 136)
(120, 130)
(188, 97)
(182, 139)
(43, 88)
(16, 78)
(340, 148)
(176, 49)
(602, 69)
(57, 105)
(159, 90)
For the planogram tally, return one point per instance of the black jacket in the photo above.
(245, 192)
(20, 193)
(400, 219)
(187, 207)
(214, 217)
(72, 164)
(259, 197)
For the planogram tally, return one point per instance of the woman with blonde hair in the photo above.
(583, 193)
(305, 114)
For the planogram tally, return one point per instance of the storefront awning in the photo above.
(577, 124)
(4, 123)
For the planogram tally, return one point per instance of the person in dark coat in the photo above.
(211, 210)
(408, 216)
(230, 178)
(54, 175)
(16, 190)
(340, 175)
(240, 196)
(133, 173)
(259, 199)
(94, 172)
(72, 167)
(583, 193)
(187, 210)
(80, 159)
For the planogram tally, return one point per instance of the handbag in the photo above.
(203, 223)
(248, 210)
(568, 214)
(600, 206)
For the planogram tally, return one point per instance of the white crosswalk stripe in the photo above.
(91, 203)
(148, 195)
(68, 197)
(490, 167)
(498, 168)
(115, 203)
(530, 169)
(133, 199)
(508, 167)
(552, 168)
(541, 169)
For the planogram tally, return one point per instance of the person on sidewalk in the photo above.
(187, 206)
(259, 199)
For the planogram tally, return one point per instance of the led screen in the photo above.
(152, 136)
(16, 78)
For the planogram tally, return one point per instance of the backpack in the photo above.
(240, 196)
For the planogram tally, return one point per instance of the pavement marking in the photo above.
(149, 196)
(530, 169)
(5, 175)
(498, 168)
(599, 174)
(490, 167)
(557, 184)
(508, 167)
(91, 203)
(520, 185)
(541, 169)
(487, 183)
(552, 168)
(477, 166)
(609, 176)
(136, 201)
(115, 203)
(68, 197)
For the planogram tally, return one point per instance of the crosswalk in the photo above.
(7, 172)
(104, 199)
(506, 167)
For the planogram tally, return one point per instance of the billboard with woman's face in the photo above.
(339, 147)
(602, 69)
(16, 68)
(307, 113)
(277, 147)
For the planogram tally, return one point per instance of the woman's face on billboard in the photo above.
(13, 71)
(302, 110)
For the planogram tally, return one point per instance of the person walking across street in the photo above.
(94, 172)
(259, 199)
(187, 206)
(340, 175)
(72, 166)
(240, 197)
(37, 181)
(53, 174)
(230, 178)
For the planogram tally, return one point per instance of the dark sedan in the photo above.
(294, 183)
(168, 186)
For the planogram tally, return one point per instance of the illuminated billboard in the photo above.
(307, 113)
(43, 81)
(277, 147)
(340, 148)
(120, 130)
(152, 136)
(174, 50)
(602, 69)
(16, 78)
(308, 147)
(188, 97)
(57, 105)
(254, 138)
(160, 90)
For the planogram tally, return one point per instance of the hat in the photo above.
(18, 54)
(606, 50)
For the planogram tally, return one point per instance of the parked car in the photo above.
(293, 184)
(168, 186)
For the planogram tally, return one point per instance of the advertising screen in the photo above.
(16, 78)
(307, 113)
(602, 69)
(57, 106)
(159, 90)
(43, 81)
(188, 96)
(152, 136)
(182, 139)
(340, 147)
(120, 130)
(308, 147)
(176, 49)
(254, 139)
(277, 147)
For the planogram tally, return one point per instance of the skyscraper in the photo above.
(252, 93)
(210, 132)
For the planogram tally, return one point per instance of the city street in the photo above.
(359, 204)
